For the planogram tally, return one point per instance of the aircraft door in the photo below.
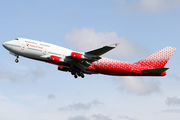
(45, 51)
(22, 47)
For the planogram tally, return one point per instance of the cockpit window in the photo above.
(16, 39)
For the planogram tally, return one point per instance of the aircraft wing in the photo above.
(89, 57)
(94, 55)
(102, 50)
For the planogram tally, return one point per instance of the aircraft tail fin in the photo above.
(158, 59)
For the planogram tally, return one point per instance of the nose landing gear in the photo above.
(16, 60)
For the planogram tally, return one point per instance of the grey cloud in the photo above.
(9, 75)
(100, 117)
(147, 6)
(51, 96)
(137, 85)
(36, 73)
(94, 117)
(78, 118)
(171, 111)
(28, 74)
(126, 118)
(174, 76)
(81, 106)
(86, 39)
(173, 101)
(177, 77)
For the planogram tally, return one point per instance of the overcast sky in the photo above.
(33, 90)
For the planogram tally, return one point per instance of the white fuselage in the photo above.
(35, 49)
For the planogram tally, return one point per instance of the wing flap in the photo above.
(82, 65)
(155, 70)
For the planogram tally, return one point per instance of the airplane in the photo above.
(91, 62)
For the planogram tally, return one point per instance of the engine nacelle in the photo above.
(61, 68)
(56, 58)
(77, 56)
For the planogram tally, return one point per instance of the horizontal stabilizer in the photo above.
(155, 70)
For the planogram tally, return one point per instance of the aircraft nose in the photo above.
(4, 44)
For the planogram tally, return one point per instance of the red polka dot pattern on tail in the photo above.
(158, 59)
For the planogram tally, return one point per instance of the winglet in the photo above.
(114, 45)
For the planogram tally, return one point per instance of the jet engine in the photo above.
(56, 58)
(77, 56)
(61, 68)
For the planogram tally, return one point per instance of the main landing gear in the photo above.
(16, 60)
(77, 73)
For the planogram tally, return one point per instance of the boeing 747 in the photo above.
(90, 62)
